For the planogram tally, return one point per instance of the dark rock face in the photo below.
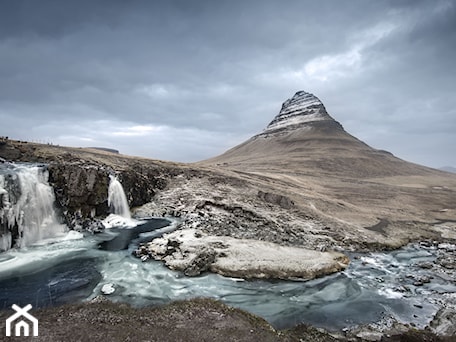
(81, 192)
(8, 152)
(140, 184)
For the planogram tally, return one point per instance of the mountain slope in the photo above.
(303, 136)
(448, 169)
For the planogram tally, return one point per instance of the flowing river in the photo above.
(77, 266)
(72, 267)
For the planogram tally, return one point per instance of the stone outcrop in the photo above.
(80, 189)
(280, 200)
(444, 322)
(192, 252)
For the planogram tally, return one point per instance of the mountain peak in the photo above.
(302, 110)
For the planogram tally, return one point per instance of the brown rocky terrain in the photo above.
(193, 320)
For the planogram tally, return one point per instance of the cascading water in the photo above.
(117, 200)
(27, 212)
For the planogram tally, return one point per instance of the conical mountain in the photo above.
(303, 137)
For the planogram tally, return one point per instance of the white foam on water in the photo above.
(390, 293)
(117, 221)
(378, 261)
(71, 235)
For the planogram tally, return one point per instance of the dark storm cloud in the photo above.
(184, 80)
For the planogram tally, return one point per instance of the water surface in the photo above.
(375, 285)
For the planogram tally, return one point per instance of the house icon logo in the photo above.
(22, 325)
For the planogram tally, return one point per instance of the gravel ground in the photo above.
(193, 320)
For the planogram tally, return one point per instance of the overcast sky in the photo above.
(186, 80)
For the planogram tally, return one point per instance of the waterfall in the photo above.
(27, 212)
(117, 200)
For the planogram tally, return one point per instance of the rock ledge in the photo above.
(192, 252)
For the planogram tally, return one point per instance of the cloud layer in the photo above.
(184, 81)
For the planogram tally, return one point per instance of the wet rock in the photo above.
(444, 321)
(447, 261)
(171, 247)
(426, 265)
(380, 331)
(425, 279)
(426, 244)
(402, 289)
(142, 252)
(80, 190)
(93, 225)
(201, 262)
(447, 247)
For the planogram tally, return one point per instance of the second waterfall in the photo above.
(117, 200)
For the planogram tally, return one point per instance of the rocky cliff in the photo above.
(81, 189)
(80, 179)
